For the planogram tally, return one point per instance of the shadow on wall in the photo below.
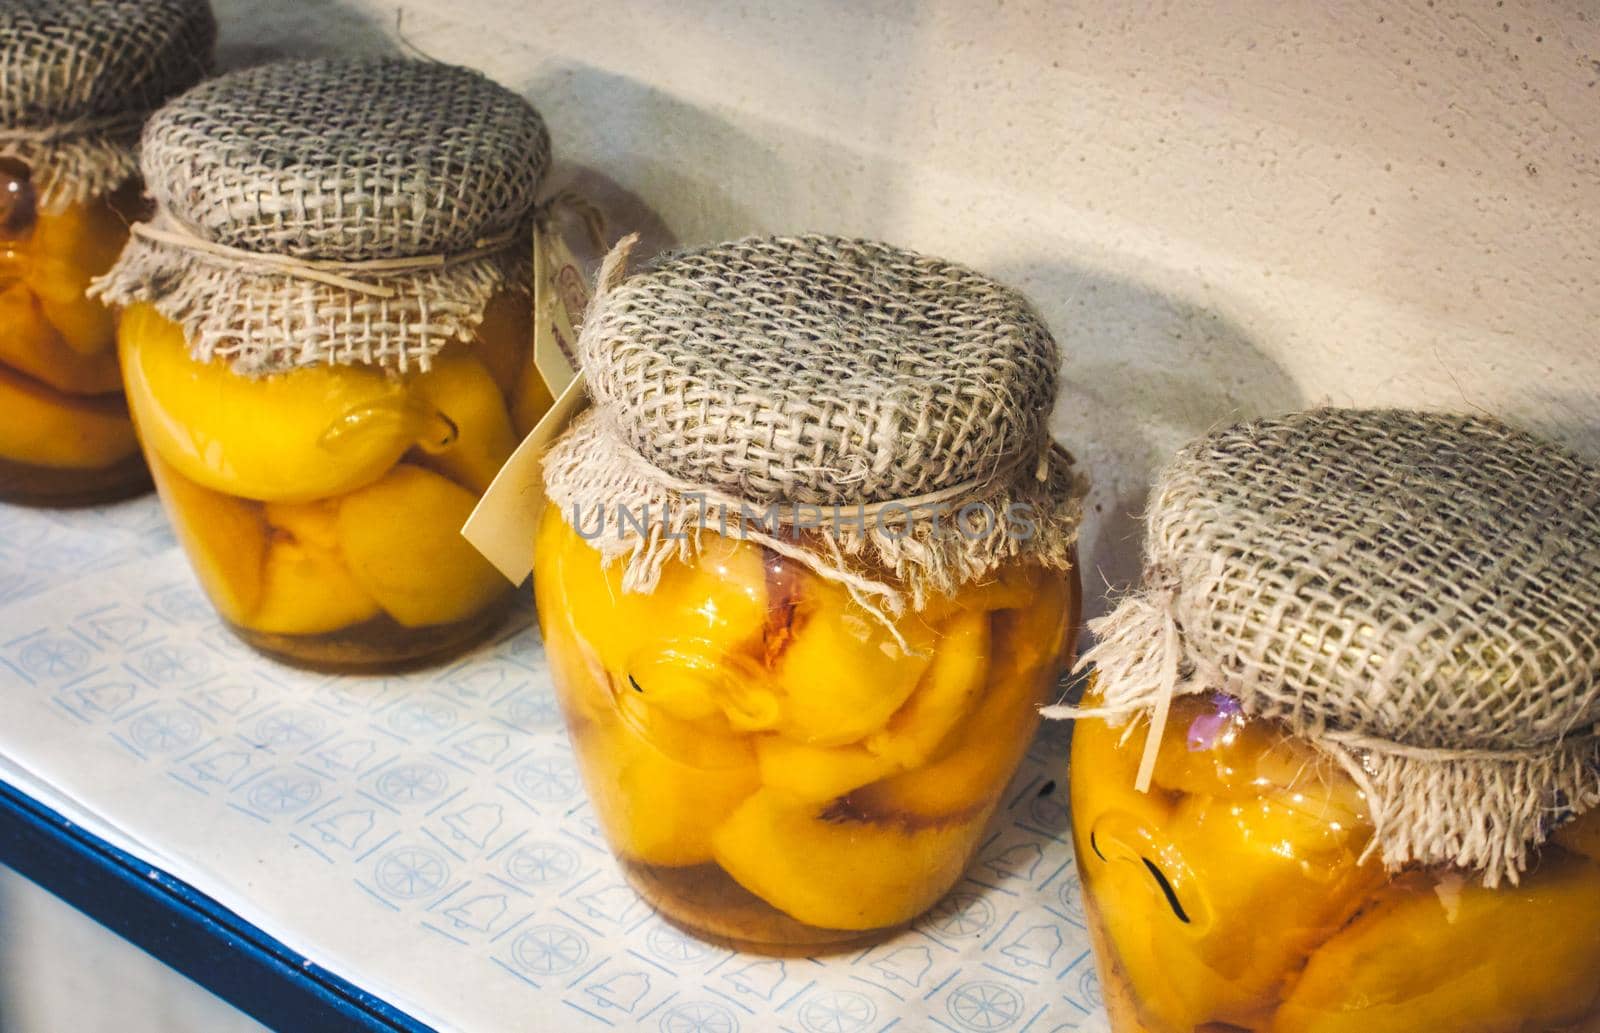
(1143, 372)
(1570, 415)
(625, 212)
(305, 28)
(709, 171)
(651, 145)
(710, 174)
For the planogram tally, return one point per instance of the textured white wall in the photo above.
(1221, 212)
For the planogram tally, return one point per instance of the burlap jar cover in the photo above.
(841, 402)
(335, 211)
(78, 78)
(1416, 594)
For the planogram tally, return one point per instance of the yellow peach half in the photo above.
(289, 437)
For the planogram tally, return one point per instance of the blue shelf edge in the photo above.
(184, 928)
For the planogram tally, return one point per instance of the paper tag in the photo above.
(503, 524)
(560, 298)
(506, 519)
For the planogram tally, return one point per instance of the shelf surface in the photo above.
(415, 852)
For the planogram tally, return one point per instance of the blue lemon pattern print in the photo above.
(417, 782)
(699, 1017)
(427, 834)
(985, 1006)
(283, 792)
(538, 864)
(164, 729)
(838, 1011)
(410, 872)
(549, 950)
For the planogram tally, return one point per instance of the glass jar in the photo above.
(67, 438)
(323, 392)
(796, 718)
(79, 81)
(770, 766)
(1236, 895)
(321, 508)
(1332, 771)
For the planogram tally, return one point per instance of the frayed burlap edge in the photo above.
(266, 322)
(591, 473)
(74, 169)
(1477, 810)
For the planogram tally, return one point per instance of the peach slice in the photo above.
(1271, 880)
(462, 389)
(290, 437)
(817, 774)
(71, 248)
(659, 784)
(665, 784)
(713, 606)
(840, 874)
(307, 587)
(29, 344)
(224, 537)
(84, 238)
(842, 674)
(314, 524)
(401, 536)
(87, 326)
(1011, 587)
(1036, 638)
(948, 692)
(1426, 954)
(971, 766)
(306, 591)
(44, 427)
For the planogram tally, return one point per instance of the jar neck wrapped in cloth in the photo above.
(891, 556)
(73, 162)
(270, 313)
(79, 78)
(927, 528)
(336, 211)
(1479, 809)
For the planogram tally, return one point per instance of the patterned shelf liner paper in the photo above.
(393, 829)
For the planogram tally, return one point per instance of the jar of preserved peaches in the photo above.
(1338, 769)
(805, 578)
(77, 80)
(327, 346)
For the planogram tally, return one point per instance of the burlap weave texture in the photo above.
(78, 78)
(353, 164)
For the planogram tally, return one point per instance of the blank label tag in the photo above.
(503, 525)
